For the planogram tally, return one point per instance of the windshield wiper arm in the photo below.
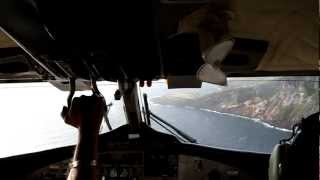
(168, 129)
(150, 115)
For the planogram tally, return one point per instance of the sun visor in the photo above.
(217, 53)
(212, 74)
(183, 82)
(209, 71)
(81, 85)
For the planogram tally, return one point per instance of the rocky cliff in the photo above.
(278, 102)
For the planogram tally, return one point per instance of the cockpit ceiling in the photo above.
(291, 27)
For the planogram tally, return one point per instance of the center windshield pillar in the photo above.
(130, 96)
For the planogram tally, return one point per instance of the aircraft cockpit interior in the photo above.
(217, 68)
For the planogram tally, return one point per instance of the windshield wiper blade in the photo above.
(178, 131)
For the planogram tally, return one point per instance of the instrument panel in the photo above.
(136, 165)
(156, 156)
(164, 166)
(139, 165)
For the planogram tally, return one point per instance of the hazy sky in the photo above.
(30, 117)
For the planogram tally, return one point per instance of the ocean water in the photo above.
(222, 130)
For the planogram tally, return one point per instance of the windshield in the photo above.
(250, 114)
